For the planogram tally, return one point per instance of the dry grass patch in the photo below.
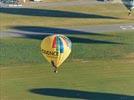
(58, 0)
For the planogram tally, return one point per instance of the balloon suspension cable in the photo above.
(54, 67)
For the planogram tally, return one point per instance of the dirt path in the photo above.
(20, 31)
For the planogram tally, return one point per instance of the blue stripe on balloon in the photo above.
(61, 45)
(57, 44)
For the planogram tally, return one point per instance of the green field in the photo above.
(100, 67)
(64, 16)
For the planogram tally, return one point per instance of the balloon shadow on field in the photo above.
(78, 94)
(39, 33)
(51, 13)
(52, 30)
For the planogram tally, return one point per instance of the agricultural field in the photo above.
(63, 16)
(100, 67)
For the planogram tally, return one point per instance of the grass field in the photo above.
(100, 67)
(65, 16)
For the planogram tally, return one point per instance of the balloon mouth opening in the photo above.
(55, 69)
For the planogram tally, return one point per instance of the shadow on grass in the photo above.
(77, 94)
(34, 32)
(52, 30)
(50, 13)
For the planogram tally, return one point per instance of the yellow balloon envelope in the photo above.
(56, 48)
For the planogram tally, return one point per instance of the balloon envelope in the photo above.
(56, 49)
(128, 3)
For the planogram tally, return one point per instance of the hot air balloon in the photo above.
(129, 5)
(56, 48)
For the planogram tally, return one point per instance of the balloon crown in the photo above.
(58, 42)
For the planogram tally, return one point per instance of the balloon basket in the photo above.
(55, 71)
